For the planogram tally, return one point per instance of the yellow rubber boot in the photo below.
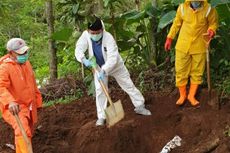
(183, 95)
(21, 146)
(192, 93)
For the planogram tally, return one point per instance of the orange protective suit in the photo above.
(17, 84)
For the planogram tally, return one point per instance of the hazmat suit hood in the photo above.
(6, 58)
(187, 2)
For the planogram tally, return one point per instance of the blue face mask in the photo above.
(196, 4)
(96, 37)
(22, 58)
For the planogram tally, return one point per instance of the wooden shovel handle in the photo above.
(103, 87)
(82, 71)
(207, 41)
(26, 139)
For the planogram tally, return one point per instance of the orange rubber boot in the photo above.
(21, 146)
(183, 95)
(192, 93)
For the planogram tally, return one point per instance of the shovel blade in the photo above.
(114, 113)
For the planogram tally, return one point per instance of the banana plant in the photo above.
(113, 6)
(76, 12)
(137, 35)
(135, 38)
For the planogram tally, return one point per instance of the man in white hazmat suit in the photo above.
(102, 45)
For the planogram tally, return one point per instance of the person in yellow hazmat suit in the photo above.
(193, 19)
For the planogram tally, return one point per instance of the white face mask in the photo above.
(196, 4)
(96, 37)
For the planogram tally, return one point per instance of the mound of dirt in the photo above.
(62, 87)
(70, 128)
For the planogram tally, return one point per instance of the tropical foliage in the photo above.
(140, 29)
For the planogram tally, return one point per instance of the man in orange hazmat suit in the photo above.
(19, 94)
(193, 19)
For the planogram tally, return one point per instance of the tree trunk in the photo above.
(137, 2)
(51, 42)
(100, 6)
(153, 34)
(113, 21)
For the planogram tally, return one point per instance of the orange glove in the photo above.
(168, 43)
(211, 33)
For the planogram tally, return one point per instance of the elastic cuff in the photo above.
(196, 82)
(210, 29)
(82, 59)
(169, 37)
(102, 68)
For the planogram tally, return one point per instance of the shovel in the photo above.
(207, 40)
(114, 112)
(26, 139)
(213, 99)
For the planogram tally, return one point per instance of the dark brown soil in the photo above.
(70, 128)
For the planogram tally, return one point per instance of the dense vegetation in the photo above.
(140, 28)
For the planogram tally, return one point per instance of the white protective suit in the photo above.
(114, 66)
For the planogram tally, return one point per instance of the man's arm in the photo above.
(5, 95)
(81, 47)
(213, 20)
(112, 54)
(176, 23)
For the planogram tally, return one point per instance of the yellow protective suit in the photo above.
(190, 46)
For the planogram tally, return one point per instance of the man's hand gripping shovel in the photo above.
(115, 112)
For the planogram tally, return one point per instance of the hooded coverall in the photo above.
(17, 84)
(190, 46)
(114, 66)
